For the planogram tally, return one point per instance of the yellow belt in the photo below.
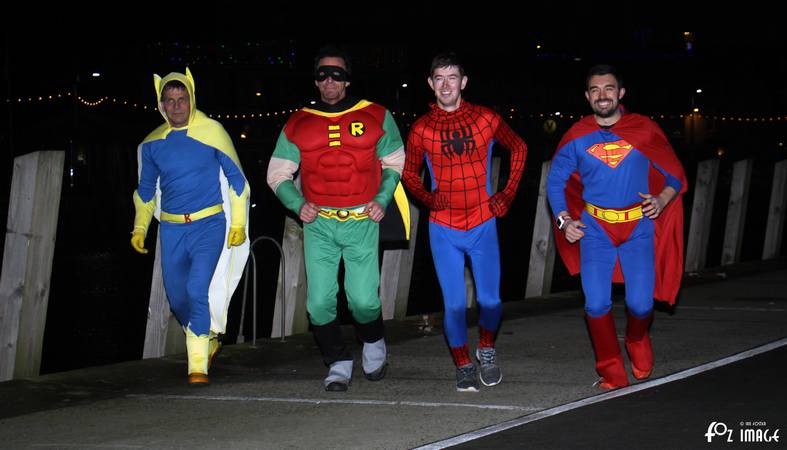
(343, 215)
(190, 217)
(614, 215)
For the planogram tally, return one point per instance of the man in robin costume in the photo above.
(350, 155)
(615, 185)
(455, 140)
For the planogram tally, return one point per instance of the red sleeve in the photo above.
(511, 141)
(412, 167)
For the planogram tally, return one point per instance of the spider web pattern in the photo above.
(459, 166)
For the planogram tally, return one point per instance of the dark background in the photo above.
(100, 287)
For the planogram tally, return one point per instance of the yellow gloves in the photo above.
(138, 242)
(144, 214)
(236, 236)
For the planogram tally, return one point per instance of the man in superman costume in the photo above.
(601, 187)
(190, 178)
(455, 139)
(350, 156)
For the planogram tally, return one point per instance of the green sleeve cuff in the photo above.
(390, 179)
(290, 197)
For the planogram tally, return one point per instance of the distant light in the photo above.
(538, 46)
(96, 74)
(71, 172)
(557, 113)
(404, 85)
(243, 135)
(696, 110)
(253, 205)
(577, 59)
(699, 91)
(258, 94)
(312, 102)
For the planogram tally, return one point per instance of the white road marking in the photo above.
(462, 438)
(320, 401)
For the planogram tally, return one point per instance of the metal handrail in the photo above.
(241, 338)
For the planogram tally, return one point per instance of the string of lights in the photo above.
(276, 114)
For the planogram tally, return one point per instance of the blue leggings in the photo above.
(449, 248)
(598, 256)
(189, 254)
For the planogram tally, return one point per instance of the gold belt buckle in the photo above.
(342, 213)
(610, 215)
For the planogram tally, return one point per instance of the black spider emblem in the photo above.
(457, 141)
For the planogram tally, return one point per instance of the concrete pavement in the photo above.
(270, 396)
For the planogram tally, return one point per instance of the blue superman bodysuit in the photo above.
(612, 171)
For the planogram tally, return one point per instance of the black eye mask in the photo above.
(335, 72)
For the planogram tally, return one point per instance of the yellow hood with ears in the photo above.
(200, 127)
(187, 80)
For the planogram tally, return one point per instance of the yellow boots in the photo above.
(197, 348)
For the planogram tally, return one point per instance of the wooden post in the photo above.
(736, 212)
(542, 249)
(163, 334)
(27, 261)
(396, 273)
(406, 268)
(776, 212)
(701, 214)
(469, 281)
(296, 319)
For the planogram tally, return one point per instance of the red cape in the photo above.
(648, 138)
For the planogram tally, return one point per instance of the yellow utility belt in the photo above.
(614, 215)
(343, 215)
(191, 217)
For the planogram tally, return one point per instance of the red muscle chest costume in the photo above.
(339, 163)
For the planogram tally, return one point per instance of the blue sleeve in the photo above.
(232, 172)
(149, 173)
(671, 181)
(563, 165)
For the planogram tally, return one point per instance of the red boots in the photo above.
(638, 346)
(609, 360)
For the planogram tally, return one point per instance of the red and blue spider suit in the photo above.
(457, 148)
(596, 175)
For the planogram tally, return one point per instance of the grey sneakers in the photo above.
(490, 371)
(466, 379)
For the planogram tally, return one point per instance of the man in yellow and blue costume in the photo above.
(190, 178)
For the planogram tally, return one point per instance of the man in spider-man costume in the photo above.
(455, 139)
(599, 188)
